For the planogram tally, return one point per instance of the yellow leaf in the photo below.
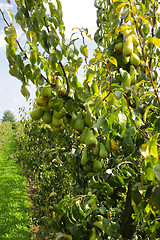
(113, 61)
(155, 41)
(122, 28)
(118, 8)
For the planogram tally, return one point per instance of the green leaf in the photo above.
(153, 147)
(25, 92)
(84, 50)
(155, 41)
(89, 75)
(150, 174)
(63, 235)
(156, 170)
(144, 149)
(118, 8)
(113, 61)
(32, 56)
(11, 35)
(10, 14)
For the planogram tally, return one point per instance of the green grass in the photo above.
(15, 211)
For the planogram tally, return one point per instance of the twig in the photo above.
(67, 82)
(144, 57)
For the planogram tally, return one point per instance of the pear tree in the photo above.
(113, 114)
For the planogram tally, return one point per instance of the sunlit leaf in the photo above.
(10, 14)
(156, 170)
(118, 8)
(155, 41)
(144, 19)
(113, 61)
(25, 92)
(84, 50)
(144, 149)
(153, 147)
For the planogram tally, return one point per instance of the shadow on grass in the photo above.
(15, 211)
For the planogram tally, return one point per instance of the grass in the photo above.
(15, 211)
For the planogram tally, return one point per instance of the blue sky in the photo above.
(75, 14)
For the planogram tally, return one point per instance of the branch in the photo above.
(144, 57)
(68, 87)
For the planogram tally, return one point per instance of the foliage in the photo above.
(101, 135)
(15, 209)
(8, 116)
(5, 131)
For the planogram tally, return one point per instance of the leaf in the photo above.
(155, 41)
(156, 170)
(25, 92)
(150, 174)
(137, 85)
(113, 61)
(32, 56)
(153, 146)
(118, 8)
(122, 28)
(84, 50)
(89, 75)
(144, 149)
(63, 235)
(10, 14)
(144, 19)
(11, 35)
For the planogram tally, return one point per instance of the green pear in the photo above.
(126, 32)
(90, 139)
(103, 152)
(84, 158)
(56, 114)
(73, 119)
(119, 47)
(41, 101)
(45, 108)
(79, 123)
(135, 40)
(83, 135)
(47, 91)
(126, 78)
(56, 122)
(87, 168)
(88, 116)
(125, 59)
(133, 74)
(128, 46)
(108, 145)
(97, 165)
(62, 112)
(47, 117)
(134, 60)
(37, 113)
(51, 103)
(96, 149)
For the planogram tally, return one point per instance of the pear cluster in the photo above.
(49, 109)
(130, 60)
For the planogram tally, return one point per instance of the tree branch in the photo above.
(144, 57)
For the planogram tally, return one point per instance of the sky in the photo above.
(75, 14)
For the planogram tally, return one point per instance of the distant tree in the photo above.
(8, 116)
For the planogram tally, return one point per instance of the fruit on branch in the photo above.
(56, 122)
(88, 116)
(97, 165)
(96, 149)
(51, 103)
(90, 139)
(103, 152)
(126, 78)
(84, 158)
(41, 101)
(83, 135)
(45, 108)
(47, 117)
(79, 123)
(60, 88)
(47, 91)
(127, 45)
(108, 145)
(135, 41)
(37, 113)
(134, 60)
(119, 47)
(133, 74)
(125, 59)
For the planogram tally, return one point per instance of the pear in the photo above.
(119, 47)
(87, 168)
(126, 32)
(103, 152)
(97, 165)
(126, 78)
(88, 116)
(96, 149)
(84, 158)
(114, 145)
(47, 117)
(47, 91)
(51, 103)
(135, 40)
(134, 60)
(41, 101)
(73, 119)
(90, 139)
(128, 46)
(133, 74)
(56, 114)
(79, 123)
(62, 112)
(45, 108)
(56, 122)
(108, 145)
(125, 59)
(83, 135)
(37, 113)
